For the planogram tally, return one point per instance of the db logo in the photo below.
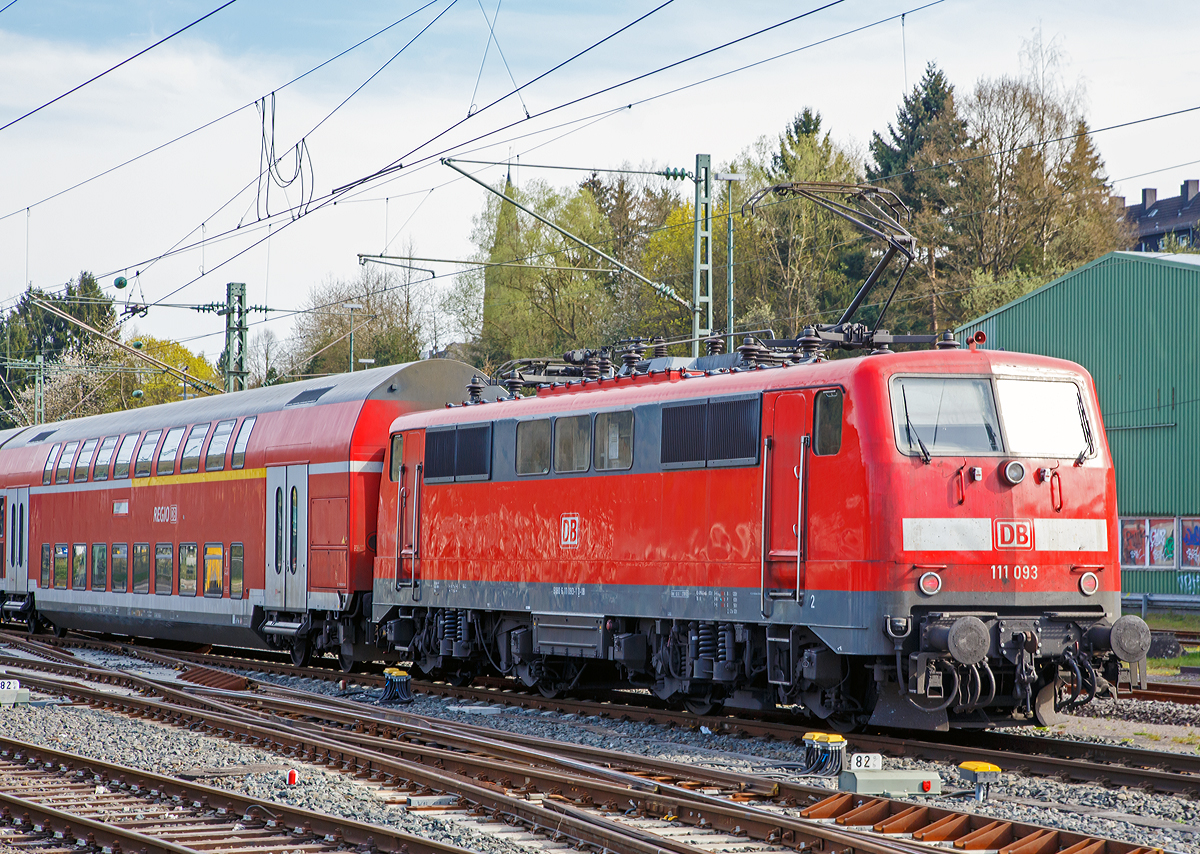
(1012, 534)
(569, 530)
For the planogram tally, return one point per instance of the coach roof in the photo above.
(428, 383)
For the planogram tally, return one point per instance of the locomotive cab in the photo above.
(1003, 544)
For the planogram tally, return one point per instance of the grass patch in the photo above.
(1149, 735)
(1169, 621)
(1189, 739)
(1170, 666)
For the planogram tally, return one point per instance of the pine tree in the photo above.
(930, 103)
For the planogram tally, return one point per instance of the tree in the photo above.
(30, 330)
(159, 386)
(803, 260)
(1004, 202)
(388, 328)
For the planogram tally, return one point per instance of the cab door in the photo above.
(408, 511)
(787, 449)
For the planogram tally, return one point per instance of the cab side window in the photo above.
(827, 422)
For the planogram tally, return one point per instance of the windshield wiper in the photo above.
(912, 431)
(1087, 433)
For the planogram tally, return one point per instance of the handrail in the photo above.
(766, 534)
(801, 515)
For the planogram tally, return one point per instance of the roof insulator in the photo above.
(748, 351)
(475, 388)
(948, 341)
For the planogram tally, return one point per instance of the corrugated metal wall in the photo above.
(1133, 321)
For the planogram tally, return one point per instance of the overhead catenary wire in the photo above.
(113, 68)
(1099, 130)
(219, 119)
(339, 191)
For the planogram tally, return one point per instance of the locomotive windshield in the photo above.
(951, 416)
(1044, 418)
(940, 416)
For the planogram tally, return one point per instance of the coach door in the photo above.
(408, 511)
(16, 540)
(287, 538)
(787, 446)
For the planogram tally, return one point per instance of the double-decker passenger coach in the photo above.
(244, 518)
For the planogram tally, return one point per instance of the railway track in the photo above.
(588, 792)
(1066, 760)
(51, 800)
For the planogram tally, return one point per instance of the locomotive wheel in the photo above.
(345, 662)
(59, 631)
(460, 678)
(702, 705)
(550, 690)
(301, 652)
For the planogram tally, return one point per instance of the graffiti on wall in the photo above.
(1189, 536)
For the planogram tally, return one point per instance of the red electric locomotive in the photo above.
(924, 539)
(243, 519)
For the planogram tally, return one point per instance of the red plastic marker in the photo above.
(293, 777)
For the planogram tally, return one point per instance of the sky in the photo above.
(189, 215)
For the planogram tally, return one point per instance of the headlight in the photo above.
(1013, 472)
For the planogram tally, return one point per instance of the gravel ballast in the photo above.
(1128, 815)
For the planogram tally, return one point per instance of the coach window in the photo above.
(46, 566)
(48, 471)
(243, 440)
(614, 441)
(236, 564)
(170, 449)
(124, 457)
(145, 454)
(827, 422)
(99, 566)
(572, 443)
(79, 566)
(533, 446)
(63, 473)
(397, 459)
(85, 460)
(214, 569)
(278, 530)
(164, 569)
(190, 462)
(295, 543)
(141, 567)
(104, 457)
(62, 568)
(215, 459)
(187, 569)
(120, 567)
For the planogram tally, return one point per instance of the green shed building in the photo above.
(1133, 320)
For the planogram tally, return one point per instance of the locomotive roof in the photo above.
(430, 382)
(674, 384)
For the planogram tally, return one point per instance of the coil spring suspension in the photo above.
(462, 626)
(726, 650)
(708, 641)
